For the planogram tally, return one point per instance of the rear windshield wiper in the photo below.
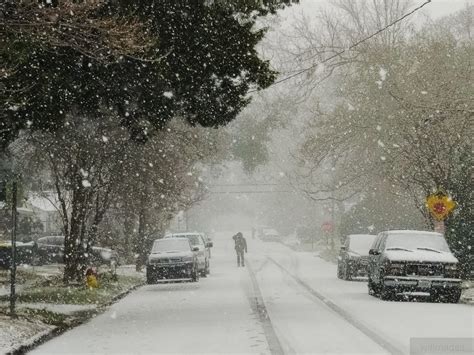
(399, 248)
(429, 249)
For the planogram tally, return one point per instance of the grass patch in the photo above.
(22, 276)
(56, 292)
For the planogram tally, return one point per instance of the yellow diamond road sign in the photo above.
(440, 206)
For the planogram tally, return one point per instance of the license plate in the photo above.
(424, 284)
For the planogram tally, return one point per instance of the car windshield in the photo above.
(417, 241)
(171, 244)
(194, 239)
(235, 156)
(361, 243)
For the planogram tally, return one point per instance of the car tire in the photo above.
(347, 275)
(386, 294)
(150, 278)
(339, 271)
(453, 297)
(372, 287)
(195, 274)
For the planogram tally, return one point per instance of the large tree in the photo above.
(195, 60)
(402, 117)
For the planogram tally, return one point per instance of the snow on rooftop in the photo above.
(43, 203)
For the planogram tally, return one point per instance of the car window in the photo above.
(58, 240)
(376, 243)
(194, 239)
(171, 244)
(361, 243)
(383, 240)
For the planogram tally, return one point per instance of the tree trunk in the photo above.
(129, 224)
(141, 243)
(73, 250)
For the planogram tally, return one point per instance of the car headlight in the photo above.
(106, 255)
(188, 259)
(451, 270)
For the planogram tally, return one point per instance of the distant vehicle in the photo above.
(25, 253)
(413, 261)
(102, 256)
(269, 235)
(204, 252)
(208, 242)
(172, 259)
(353, 257)
(51, 251)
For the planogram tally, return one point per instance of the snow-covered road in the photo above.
(223, 313)
(390, 324)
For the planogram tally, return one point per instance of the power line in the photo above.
(304, 70)
(250, 192)
(243, 184)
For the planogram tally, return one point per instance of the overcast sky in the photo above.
(434, 9)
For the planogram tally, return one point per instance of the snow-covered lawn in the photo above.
(17, 332)
(43, 303)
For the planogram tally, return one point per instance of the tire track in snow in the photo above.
(258, 306)
(378, 339)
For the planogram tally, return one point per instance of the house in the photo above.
(45, 209)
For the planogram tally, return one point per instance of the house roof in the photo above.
(47, 204)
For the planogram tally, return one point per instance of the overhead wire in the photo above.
(352, 46)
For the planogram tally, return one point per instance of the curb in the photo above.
(45, 336)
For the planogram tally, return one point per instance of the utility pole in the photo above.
(13, 255)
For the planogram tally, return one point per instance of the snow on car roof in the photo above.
(407, 231)
(361, 235)
(182, 234)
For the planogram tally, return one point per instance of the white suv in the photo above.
(203, 255)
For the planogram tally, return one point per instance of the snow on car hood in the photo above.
(420, 255)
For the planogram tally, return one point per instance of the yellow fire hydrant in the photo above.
(91, 278)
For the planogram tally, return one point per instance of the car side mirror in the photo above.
(195, 249)
(343, 247)
(374, 252)
(209, 244)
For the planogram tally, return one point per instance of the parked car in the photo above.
(101, 256)
(413, 261)
(269, 235)
(51, 251)
(25, 253)
(353, 257)
(203, 254)
(172, 259)
(208, 242)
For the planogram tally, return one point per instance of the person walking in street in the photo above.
(240, 247)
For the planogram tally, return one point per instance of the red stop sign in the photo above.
(327, 227)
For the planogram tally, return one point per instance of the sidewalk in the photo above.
(48, 307)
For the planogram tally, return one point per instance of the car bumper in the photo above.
(170, 271)
(413, 284)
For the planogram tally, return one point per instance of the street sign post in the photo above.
(440, 206)
(13, 256)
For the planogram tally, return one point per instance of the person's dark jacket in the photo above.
(240, 243)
